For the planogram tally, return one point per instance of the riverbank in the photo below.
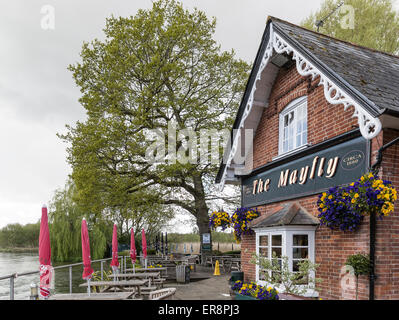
(19, 250)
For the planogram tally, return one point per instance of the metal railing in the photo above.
(13, 276)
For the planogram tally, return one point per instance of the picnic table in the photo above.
(144, 275)
(137, 275)
(93, 296)
(228, 263)
(232, 264)
(140, 270)
(123, 285)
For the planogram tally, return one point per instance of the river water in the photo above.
(11, 263)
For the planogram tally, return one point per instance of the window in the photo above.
(297, 243)
(270, 244)
(300, 252)
(293, 126)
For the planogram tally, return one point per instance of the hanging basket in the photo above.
(344, 208)
(240, 222)
(219, 219)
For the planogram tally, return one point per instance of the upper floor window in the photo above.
(293, 126)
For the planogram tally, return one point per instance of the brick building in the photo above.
(315, 114)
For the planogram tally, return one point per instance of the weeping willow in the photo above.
(136, 210)
(65, 218)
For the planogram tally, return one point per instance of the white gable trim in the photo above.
(369, 126)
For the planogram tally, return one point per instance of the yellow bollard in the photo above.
(217, 271)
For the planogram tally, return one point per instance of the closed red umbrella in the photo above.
(46, 270)
(144, 245)
(133, 254)
(87, 269)
(115, 261)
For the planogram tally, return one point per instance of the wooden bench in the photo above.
(147, 290)
(159, 282)
(162, 294)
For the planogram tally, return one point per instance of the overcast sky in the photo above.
(38, 96)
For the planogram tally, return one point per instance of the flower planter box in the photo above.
(238, 296)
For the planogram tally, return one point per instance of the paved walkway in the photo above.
(214, 288)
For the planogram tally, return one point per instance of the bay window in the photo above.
(296, 243)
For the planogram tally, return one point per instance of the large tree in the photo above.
(370, 23)
(157, 70)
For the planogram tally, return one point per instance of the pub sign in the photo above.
(314, 173)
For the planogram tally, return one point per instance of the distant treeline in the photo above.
(193, 237)
(18, 236)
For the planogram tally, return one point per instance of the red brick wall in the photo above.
(326, 121)
(387, 237)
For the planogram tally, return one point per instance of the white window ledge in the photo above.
(283, 155)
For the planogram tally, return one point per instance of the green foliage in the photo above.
(360, 264)
(183, 238)
(65, 218)
(234, 252)
(192, 237)
(376, 23)
(276, 271)
(18, 236)
(156, 68)
(223, 237)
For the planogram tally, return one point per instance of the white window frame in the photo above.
(293, 106)
(287, 233)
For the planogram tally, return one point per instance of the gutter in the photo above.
(375, 168)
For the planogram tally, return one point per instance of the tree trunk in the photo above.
(201, 212)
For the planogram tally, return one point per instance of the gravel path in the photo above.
(214, 288)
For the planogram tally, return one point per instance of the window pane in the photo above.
(292, 117)
(298, 141)
(263, 252)
(263, 241)
(305, 137)
(300, 253)
(300, 240)
(295, 265)
(276, 277)
(277, 251)
(285, 146)
(262, 275)
(277, 240)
